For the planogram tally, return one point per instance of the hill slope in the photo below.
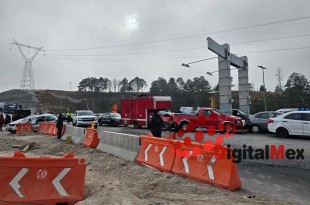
(61, 101)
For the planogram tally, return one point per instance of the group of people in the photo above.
(4, 121)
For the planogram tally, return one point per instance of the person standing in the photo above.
(59, 125)
(68, 117)
(7, 119)
(1, 121)
(156, 125)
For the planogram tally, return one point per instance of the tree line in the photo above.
(195, 92)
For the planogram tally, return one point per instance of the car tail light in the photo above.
(270, 120)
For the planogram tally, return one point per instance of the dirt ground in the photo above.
(111, 180)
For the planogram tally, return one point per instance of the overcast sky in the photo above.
(150, 39)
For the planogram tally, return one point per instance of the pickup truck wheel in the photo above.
(166, 126)
(230, 128)
(184, 126)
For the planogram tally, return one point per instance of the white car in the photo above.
(291, 123)
(33, 119)
(84, 118)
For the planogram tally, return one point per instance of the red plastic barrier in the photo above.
(41, 180)
(24, 128)
(156, 152)
(194, 162)
(91, 139)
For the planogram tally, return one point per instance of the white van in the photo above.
(285, 110)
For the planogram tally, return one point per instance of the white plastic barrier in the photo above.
(123, 145)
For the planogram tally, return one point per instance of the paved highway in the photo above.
(287, 180)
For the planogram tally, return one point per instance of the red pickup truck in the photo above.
(204, 118)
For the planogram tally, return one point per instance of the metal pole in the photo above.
(264, 90)
(263, 68)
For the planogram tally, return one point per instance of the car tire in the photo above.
(73, 124)
(255, 129)
(282, 132)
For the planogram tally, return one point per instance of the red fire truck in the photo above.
(136, 111)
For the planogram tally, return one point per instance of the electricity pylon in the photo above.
(27, 82)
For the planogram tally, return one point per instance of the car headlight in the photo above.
(96, 118)
(80, 119)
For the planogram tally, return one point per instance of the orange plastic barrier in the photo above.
(157, 152)
(23, 128)
(194, 162)
(42, 127)
(41, 180)
(52, 129)
(91, 139)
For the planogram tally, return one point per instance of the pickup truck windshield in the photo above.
(217, 111)
(85, 113)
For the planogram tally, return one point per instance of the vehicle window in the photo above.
(275, 114)
(294, 116)
(115, 115)
(206, 113)
(306, 116)
(49, 118)
(40, 119)
(262, 115)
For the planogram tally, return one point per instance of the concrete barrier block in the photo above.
(77, 133)
(123, 145)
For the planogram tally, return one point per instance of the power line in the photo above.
(183, 49)
(175, 58)
(141, 59)
(184, 37)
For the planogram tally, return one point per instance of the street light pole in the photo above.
(263, 68)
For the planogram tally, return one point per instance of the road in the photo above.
(287, 180)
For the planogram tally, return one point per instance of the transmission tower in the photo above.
(27, 82)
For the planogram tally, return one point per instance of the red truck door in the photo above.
(126, 111)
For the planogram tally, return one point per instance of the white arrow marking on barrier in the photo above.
(57, 180)
(162, 163)
(185, 162)
(209, 167)
(145, 152)
(14, 183)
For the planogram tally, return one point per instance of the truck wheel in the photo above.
(135, 125)
(184, 126)
(166, 126)
(229, 129)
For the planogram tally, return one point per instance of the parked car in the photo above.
(110, 118)
(84, 118)
(259, 121)
(291, 123)
(34, 120)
